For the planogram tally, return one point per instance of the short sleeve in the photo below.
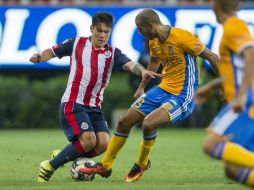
(237, 36)
(120, 59)
(191, 43)
(153, 47)
(64, 49)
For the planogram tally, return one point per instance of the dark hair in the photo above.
(229, 5)
(103, 17)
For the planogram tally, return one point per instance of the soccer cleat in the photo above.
(55, 153)
(97, 168)
(45, 171)
(136, 172)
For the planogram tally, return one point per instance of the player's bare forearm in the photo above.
(138, 69)
(248, 55)
(153, 65)
(212, 58)
(134, 67)
(207, 90)
(45, 55)
(214, 84)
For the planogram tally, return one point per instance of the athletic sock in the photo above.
(145, 148)
(115, 145)
(70, 153)
(234, 153)
(246, 176)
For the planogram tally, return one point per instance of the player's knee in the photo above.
(123, 124)
(208, 144)
(230, 172)
(88, 141)
(147, 126)
(102, 147)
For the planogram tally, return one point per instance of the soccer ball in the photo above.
(81, 163)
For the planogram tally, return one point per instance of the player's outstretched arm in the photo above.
(45, 55)
(146, 74)
(212, 58)
(153, 65)
(138, 69)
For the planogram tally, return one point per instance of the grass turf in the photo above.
(177, 163)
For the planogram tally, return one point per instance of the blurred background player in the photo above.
(230, 136)
(91, 63)
(170, 101)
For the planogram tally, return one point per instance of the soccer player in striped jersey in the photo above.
(230, 137)
(92, 60)
(171, 101)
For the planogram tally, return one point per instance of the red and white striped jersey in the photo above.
(90, 70)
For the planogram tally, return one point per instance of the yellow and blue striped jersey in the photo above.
(236, 37)
(178, 56)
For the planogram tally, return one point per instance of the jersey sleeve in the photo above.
(190, 43)
(153, 48)
(237, 37)
(64, 49)
(120, 59)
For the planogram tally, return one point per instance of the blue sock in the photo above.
(70, 153)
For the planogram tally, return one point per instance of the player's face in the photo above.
(146, 30)
(100, 35)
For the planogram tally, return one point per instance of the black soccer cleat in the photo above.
(136, 172)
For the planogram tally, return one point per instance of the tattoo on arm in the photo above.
(137, 69)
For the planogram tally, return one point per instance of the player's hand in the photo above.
(201, 96)
(139, 92)
(222, 96)
(238, 103)
(149, 74)
(36, 58)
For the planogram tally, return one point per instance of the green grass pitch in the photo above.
(177, 163)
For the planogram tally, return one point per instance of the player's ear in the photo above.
(91, 28)
(151, 25)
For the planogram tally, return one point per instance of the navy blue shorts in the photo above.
(76, 119)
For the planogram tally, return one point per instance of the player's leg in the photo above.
(171, 109)
(240, 174)
(116, 142)
(78, 130)
(102, 140)
(141, 107)
(228, 138)
(150, 124)
(120, 136)
(101, 130)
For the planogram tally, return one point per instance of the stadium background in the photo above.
(30, 94)
(30, 97)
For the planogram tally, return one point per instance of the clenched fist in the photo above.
(36, 58)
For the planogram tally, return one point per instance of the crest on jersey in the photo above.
(156, 49)
(107, 54)
(84, 126)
